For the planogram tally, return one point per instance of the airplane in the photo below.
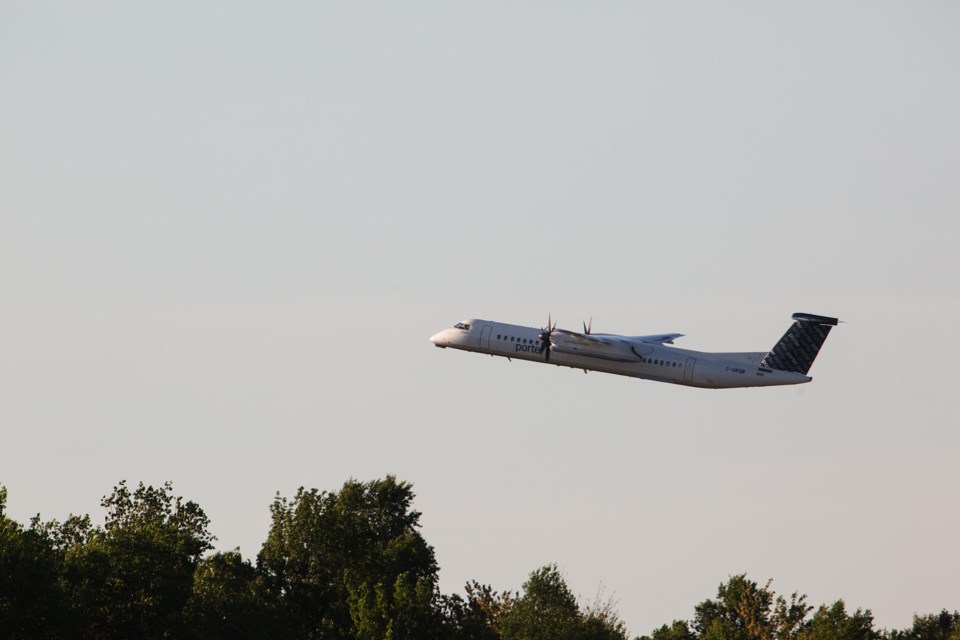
(648, 357)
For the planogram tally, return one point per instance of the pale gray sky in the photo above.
(227, 230)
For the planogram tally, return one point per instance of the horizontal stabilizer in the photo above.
(809, 317)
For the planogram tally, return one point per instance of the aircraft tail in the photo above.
(799, 346)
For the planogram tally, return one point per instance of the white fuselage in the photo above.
(650, 361)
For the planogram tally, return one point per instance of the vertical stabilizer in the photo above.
(799, 346)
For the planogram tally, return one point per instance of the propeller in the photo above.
(588, 326)
(545, 336)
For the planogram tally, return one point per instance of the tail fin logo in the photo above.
(799, 346)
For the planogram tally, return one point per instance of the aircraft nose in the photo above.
(439, 339)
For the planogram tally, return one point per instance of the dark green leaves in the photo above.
(548, 610)
(346, 565)
(350, 563)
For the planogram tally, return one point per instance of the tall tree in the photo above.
(132, 577)
(679, 630)
(834, 623)
(601, 621)
(228, 601)
(548, 610)
(934, 626)
(404, 610)
(743, 610)
(321, 545)
(478, 616)
(31, 601)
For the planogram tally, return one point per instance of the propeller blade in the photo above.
(545, 337)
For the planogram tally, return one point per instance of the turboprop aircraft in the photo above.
(648, 357)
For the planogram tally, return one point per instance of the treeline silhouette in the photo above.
(348, 565)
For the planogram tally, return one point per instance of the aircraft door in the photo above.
(688, 369)
(485, 337)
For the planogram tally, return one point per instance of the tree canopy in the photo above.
(350, 564)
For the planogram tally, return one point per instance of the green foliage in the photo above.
(789, 620)
(479, 616)
(601, 620)
(346, 565)
(323, 545)
(679, 630)
(133, 577)
(399, 611)
(934, 626)
(599, 628)
(228, 600)
(31, 601)
(833, 623)
(744, 611)
(548, 610)
(157, 511)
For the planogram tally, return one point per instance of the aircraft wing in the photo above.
(609, 339)
(588, 338)
(662, 338)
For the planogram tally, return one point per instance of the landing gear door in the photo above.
(688, 369)
(485, 337)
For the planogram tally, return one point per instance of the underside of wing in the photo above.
(662, 338)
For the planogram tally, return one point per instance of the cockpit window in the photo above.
(460, 325)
